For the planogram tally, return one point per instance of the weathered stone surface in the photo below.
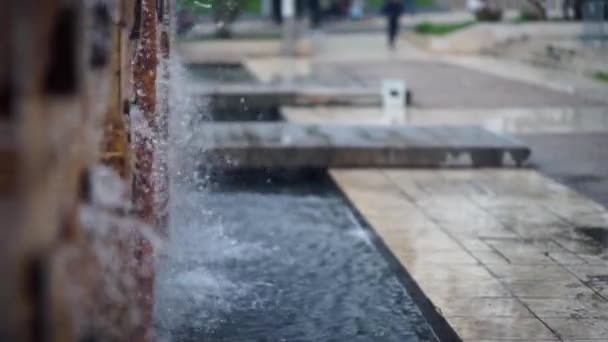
(283, 145)
(450, 228)
(66, 82)
(273, 95)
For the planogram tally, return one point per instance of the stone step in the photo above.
(296, 94)
(289, 145)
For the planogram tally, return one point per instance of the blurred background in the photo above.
(290, 170)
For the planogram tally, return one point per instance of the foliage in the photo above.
(195, 6)
(224, 12)
(377, 4)
(601, 76)
(439, 29)
(252, 6)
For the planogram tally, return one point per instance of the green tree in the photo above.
(224, 12)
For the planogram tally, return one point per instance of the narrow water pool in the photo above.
(277, 260)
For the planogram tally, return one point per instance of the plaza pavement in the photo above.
(502, 254)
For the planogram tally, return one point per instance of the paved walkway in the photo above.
(514, 120)
(365, 58)
(445, 85)
(578, 159)
(563, 81)
(503, 255)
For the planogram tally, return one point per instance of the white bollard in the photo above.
(394, 96)
(288, 8)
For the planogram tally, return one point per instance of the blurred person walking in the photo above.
(393, 9)
(314, 8)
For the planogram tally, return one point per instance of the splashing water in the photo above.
(266, 263)
(182, 284)
(187, 280)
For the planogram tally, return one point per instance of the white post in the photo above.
(394, 97)
(288, 11)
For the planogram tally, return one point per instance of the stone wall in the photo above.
(67, 91)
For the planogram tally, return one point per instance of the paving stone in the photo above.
(600, 259)
(455, 256)
(452, 285)
(567, 258)
(578, 243)
(477, 229)
(548, 289)
(531, 272)
(472, 243)
(597, 305)
(530, 221)
(490, 258)
(481, 300)
(523, 252)
(458, 216)
(502, 328)
(592, 275)
(429, 245)
(452, 280)
(445, 272)
(483, 307)
(577, 328)
(580, 307)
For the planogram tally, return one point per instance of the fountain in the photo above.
(268, 254)
(96, 249)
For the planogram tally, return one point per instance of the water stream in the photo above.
(270, 258)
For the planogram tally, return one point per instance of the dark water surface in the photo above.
(278, 261)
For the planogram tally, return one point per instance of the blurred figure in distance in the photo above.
(393, 9)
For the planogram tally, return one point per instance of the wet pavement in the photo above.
(568, 144)
(500, 253)
(519, 121)
(578, 159)
(443, 85)
(280, 145)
